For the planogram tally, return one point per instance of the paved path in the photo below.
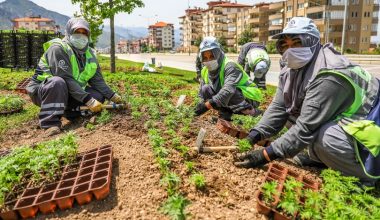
(186, 62)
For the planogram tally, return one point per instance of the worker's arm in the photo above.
(327, 97)
(60, 65)
(98, 83)
(243, 53)
(273, 120)
(232, 77)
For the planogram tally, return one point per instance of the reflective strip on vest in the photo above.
(249, 89)
(354, 119)
(81, 77)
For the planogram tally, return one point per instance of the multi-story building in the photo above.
(276, 18)
(122, 46)
(161, 36)
(35, 23)
(217, 22)
(361, 22)
(191, 29)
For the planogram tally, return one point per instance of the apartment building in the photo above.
(361, 23)
(161, 36)
(35, 23)
(216, 19)
(191, 29)
(275, 18)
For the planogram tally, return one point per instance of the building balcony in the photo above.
(275, 16)
(275, 27)
(316, 9)
(254, 20)
(276, 6)
(319, 21)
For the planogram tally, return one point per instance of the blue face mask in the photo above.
(79, 41)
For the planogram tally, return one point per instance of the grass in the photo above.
(11, 103)
(9, 80)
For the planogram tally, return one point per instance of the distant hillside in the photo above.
(10, 9)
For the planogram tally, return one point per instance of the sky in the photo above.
(154, 10)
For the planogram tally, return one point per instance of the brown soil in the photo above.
(136, 192)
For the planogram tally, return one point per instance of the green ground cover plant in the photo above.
(11, 103)
(199, 180)
(269, 190)
(244, 145)
(42, 162)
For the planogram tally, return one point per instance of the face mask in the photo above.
(296, 58)
(79, 41)
(211, 65)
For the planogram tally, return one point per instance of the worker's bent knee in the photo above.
(207, 92)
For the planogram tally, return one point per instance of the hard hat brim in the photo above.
(292, 31)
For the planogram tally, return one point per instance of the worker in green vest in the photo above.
(331, 105)
(225, 86)
(68, 76)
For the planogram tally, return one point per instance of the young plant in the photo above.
(198, 180)
(244, 145)
(90, 127)
(312, 208)
(171, 181)
(11, 103)
(269, 191)
(189, 166)
(164, 164)
(175, 207)
(105, 117)
(290, 202)
(183, 150)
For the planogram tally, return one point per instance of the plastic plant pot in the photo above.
(89, 156)
(10, 214)
(279, 216)
(104, 159)
(70, 175)
(223, 126)
(101, 188)
(102, 166)
(45, 203)
(88, 163)
(64, 199)
(49, 187)
(83, 195)
(25, 207)
(83, 179)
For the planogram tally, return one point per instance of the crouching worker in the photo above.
(225, 86)
(256, 62)
(333, 105)
(68, 76)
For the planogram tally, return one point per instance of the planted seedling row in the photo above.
(81, 181)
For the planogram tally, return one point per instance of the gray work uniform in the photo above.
(260, 82)
(62, 94)
(327, 96)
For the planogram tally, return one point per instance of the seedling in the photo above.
(198, 180)
(189, 166)
(290, 202)
(171, 181)
(105, 117)
(163, 164)
(269, 191)
(90, 127)
(175, 207)
(11, 103)
(183, 150)
(244, 145)
(313, 205)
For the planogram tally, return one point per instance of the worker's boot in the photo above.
(254, 112)
(52, 131)
(303, 159)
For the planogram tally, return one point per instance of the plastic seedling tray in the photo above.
(279, 174)
(21, 86)
(81, 181)
(230, 129)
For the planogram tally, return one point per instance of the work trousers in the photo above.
(53, 97)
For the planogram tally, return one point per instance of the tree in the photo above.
(198, 41)
(91, 14)
(108, 10)
(246, 36)
(223, 42)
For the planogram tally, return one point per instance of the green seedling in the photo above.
(198, 180)
(90, 127)
(176, 142)
(183, 150)
(290, 202)
(164, 164)
(11, 103)
(244, 145)
(175, 206)
(105, 117)
(189, 166)
(313, 205)
(269, 191)
(246, 122)
(171, 181)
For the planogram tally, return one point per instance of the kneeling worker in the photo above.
(67, 76)
(255, 60)
(224, 85)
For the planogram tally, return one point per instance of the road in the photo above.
(186, 62)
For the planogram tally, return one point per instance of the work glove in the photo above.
(116, 99)
(200, 109)
(255, 158)
(94, 105)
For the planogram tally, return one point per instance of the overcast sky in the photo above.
(166, 10)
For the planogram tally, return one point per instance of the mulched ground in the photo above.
(136, 192)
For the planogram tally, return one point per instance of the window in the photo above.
(354, 14)
(374, 27)
(354, 2)
(365, 28)
(337, 15)
(300, 5)
(375, 14)
(289, 8)
(337, 2)
(352, 27)
(318, 15)
(352, 40)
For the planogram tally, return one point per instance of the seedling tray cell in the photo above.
(280, 174)
(87, 178)
(228, 128)
(21, 86)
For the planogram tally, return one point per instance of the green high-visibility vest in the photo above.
(353, 120)
(248, 88)
(81, 77)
